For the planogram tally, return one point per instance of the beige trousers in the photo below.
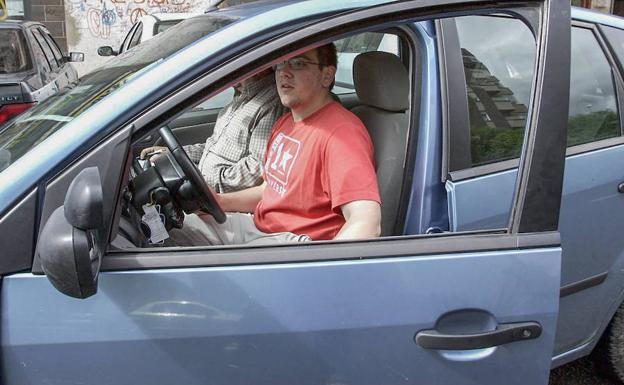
(239, 228)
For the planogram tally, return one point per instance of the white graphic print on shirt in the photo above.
(282, 156)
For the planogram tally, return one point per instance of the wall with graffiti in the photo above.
(94, 23)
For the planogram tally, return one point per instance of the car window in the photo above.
(21, 134)
(46, 49)
(348, 48)
(56, 51)
(499, 58)
(13, 52)
(593, 112)
(164, 25)
(40, 58)
(615, 37)
(217, 101)
(136, 38)
(498, 87)
(126, 40)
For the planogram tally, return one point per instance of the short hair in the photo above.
(327, 56)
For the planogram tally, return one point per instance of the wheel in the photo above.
(608, 356)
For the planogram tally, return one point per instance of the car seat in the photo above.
(382, 85)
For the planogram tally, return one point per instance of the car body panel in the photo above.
(350, 316)
(591, 209)
(310, 323)
(587, 210)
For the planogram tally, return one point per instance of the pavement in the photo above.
(580, 372)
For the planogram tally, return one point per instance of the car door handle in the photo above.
(504, 334)
(621, 187)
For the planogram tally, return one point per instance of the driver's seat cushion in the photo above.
(382, 85)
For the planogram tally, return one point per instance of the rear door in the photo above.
(468, 308)
(486, 150)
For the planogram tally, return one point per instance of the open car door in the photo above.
(464, 308)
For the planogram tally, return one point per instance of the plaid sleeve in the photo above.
(195, 151)
(247, 172)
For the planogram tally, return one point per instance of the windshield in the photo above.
(13, 54)
(20, 135)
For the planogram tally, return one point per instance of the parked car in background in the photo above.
(32, 67)
(144, 29)
(467, 104)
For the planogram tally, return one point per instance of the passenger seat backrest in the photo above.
(382, 86)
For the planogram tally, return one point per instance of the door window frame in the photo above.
(124, 44)
(45, 47)
(38, 43)
(56, 51)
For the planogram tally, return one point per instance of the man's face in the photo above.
(304, 83)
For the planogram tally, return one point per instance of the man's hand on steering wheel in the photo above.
(154, 152)
(202, 197)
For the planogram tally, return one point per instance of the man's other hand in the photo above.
(153, 153)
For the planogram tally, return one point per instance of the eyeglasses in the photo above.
(295, 64)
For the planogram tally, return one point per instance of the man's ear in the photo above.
(329, 73)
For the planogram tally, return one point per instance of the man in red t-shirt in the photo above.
(319, 172)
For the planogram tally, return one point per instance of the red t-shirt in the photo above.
(313, 167)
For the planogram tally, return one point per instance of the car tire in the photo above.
(608, 356)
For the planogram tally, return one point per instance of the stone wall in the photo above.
(52, 14)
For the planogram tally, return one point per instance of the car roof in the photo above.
(584, 14)
(172, 16)
(13, 23)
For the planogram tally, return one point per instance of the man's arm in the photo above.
(363, 220)
(244, 201)
(195, 151)
(247, 171)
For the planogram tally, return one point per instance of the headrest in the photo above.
(381, 80)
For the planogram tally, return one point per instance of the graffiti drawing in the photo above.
(136, 14)
(94, 23)
(108, 17)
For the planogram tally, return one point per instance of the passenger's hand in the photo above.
(153, 153)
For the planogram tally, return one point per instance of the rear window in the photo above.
(13, 52)
(162, 26)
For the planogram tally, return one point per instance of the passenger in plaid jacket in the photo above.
(231, 159)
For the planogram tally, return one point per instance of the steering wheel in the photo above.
(204, 197)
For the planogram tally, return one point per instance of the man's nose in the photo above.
(285, 72)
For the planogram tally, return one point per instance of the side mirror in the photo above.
(106, 51)
(75, 57)
(68, 244)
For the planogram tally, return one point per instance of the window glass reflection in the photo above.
(593, 112)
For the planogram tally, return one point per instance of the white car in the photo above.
(144, 29)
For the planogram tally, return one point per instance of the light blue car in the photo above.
(485, 272)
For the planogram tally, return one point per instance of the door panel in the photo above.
(591, 208)
(349, 322)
